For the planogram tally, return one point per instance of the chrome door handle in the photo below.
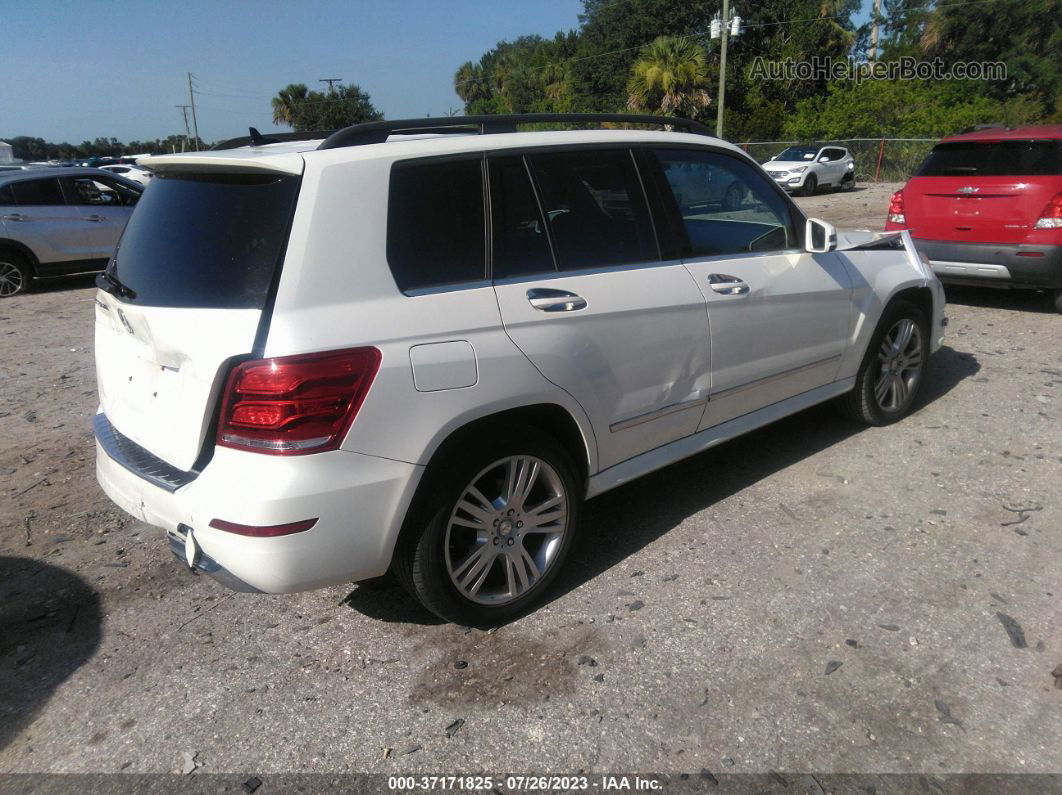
(727, 285)
(545, 299)
(95, 218)
(14, 217)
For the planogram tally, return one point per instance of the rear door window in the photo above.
(207, 240)
(595, 208)
(37, 192)
(519, 243)
(436, 230)
(993, 159)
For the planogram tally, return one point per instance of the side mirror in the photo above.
(824, 159)
(819, 236)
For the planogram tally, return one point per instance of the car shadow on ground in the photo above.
(623, 521)
(63, 283)
(50, 625)
(989, 298)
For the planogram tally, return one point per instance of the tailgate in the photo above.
(184, 295)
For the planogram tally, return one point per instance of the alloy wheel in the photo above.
(900, 358)
(11, 279)
(506, 529)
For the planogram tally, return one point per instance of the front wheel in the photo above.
(848, 184)
(893, 368)
(506, 515)
(811, 183)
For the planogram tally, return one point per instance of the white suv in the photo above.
(805, 169)
(412, 350)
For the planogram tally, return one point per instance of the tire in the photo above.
(889, 379)
(848, 184)
(733, 197)
(1058, 300)
(811, 183)
(16, 277)
(472, 562)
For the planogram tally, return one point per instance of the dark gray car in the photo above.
(59, 222)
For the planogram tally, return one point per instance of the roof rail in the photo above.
(375, 132)
(257, 139)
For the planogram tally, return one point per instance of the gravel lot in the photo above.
(815, 597)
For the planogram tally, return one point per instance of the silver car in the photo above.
(59, 222)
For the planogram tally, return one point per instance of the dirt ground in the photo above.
(816, 597)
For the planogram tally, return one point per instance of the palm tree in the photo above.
(669, 76)
(286, 103)
(470, 83)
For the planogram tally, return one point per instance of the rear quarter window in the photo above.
(993, 159)
(435, 223)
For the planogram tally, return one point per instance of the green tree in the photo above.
(287, 101)
(669, 77)
(305, 110)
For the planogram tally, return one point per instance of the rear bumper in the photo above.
(358, 500)
(995, 264)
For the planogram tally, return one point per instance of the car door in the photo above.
(40, 218)
(105, 205)
(586, 297)
(779, 316)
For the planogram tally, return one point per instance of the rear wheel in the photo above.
(893, 368)
(15, 275)
(811, 183)
(848, 183)
(506, 513)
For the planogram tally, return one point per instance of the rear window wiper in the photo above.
(110, 284)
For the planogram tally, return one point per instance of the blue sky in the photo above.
(74, 70)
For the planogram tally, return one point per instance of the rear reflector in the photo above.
(270, 531)
(1051, 217)
(292, 405)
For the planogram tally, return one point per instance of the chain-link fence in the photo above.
(877, 159)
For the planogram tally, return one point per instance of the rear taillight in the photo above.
(292, 405)
(1051, 217)
(896, 215)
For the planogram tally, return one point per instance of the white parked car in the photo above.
(135, 173)
(805, 169)
(320, 361)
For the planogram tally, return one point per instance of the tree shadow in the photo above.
(50, 625)
(623, 521)
(995, 298)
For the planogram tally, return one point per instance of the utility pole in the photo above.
(722, 69)
(195, 122)
(874, 32)
(330, 81)
(187, 132)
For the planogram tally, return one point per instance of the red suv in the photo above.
(986, 208)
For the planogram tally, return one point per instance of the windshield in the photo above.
(994, 159)
(799, 153)
(206, 240)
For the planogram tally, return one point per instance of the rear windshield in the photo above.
(994, 159)
(206, 240)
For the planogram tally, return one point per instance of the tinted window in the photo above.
(99, 191)
(595, 208)
(7, 196)
(727, 206)
(36, 192)
(518, 234)
(994, 159)
(435, 223)
(206, 240)
(834, 154)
